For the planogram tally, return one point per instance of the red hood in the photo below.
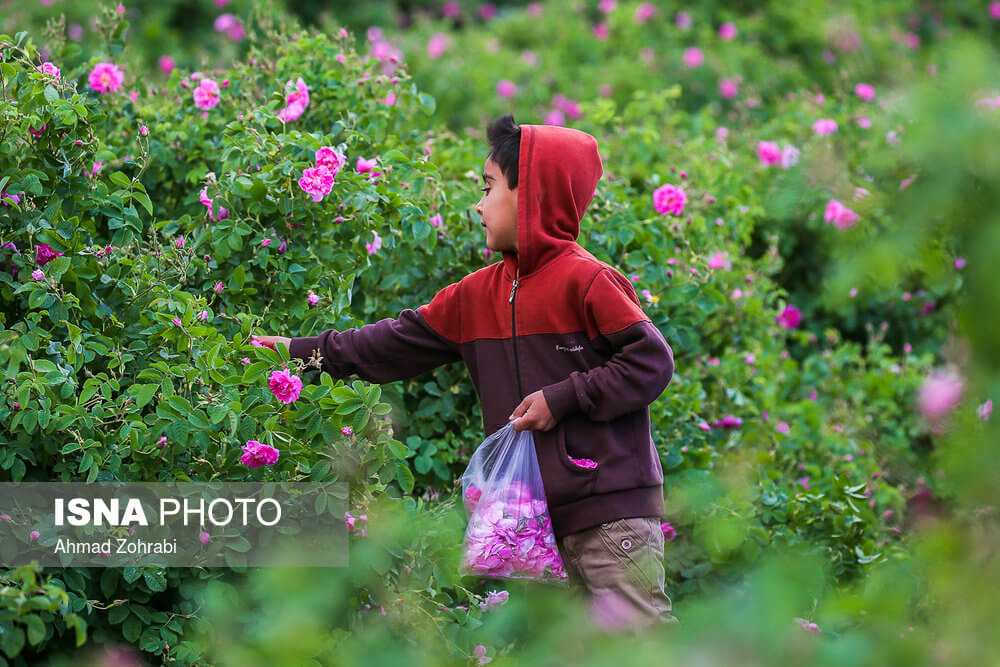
(558, 171)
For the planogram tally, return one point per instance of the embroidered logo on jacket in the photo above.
(563, 348)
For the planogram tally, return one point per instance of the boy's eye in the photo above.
(486, 190)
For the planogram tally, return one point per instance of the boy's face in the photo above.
(498, 209)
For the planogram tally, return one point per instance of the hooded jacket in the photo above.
(550, 317)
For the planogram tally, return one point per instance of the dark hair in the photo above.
(505, 146)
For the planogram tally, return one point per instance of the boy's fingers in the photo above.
(521, 408)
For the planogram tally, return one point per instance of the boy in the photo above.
(556, 338)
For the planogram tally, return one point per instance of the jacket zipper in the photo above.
(513, 328)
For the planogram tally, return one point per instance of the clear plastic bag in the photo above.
(510, 532)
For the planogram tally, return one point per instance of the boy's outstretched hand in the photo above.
(269, 341)
(534, 414)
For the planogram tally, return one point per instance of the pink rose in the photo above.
(256, 454)
(296, 101)
(49, 69)
(317, 182)
(328, 157)
(768, 152)
(789, 317)
(285, 386)
(206, 95)
(669, 199)
(105, 78)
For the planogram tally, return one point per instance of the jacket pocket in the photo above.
(576, 465)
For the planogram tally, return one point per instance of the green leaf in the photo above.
(155, 581)
(427, 103)
(51, 94)
(132, 629)
(199, 420)
(405, 477)
(398, 449)
(145, 394)
(12, 641)
(37, 298)
(117, 614)
(57, 267)
(36, 629)
(118, 178)
(255, 371)
(143, 199)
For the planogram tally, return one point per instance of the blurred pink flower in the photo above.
(203, 198)
(487, 10)
(719, 260)
(825, 126)
(693, 57)
(790, 317)
(727, 30)
(669, 199)
(905, 183)
(49, 69)
(984, 410)
(728, 88)
(312, 298)
(808, 626)
(374, 245)
(364, 166)
(555, 117)
(864, 122)
(669, 533)
(601, 31)
(644, 12)
(683, 20)
(789, 157)
(37, 274)
(841, 216)
(204, 537)
(206, 95)
(729, 422)
(939, 394)
(994, 10)
(438, 44)
(167, 64)
(804, 481)
(494, 600)
(781, 427)
(105, 78)
(865, 91)
(296, 100)
(506, 89)
(346, 430)
(768, 152)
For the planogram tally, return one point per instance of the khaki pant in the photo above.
(618, 568)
